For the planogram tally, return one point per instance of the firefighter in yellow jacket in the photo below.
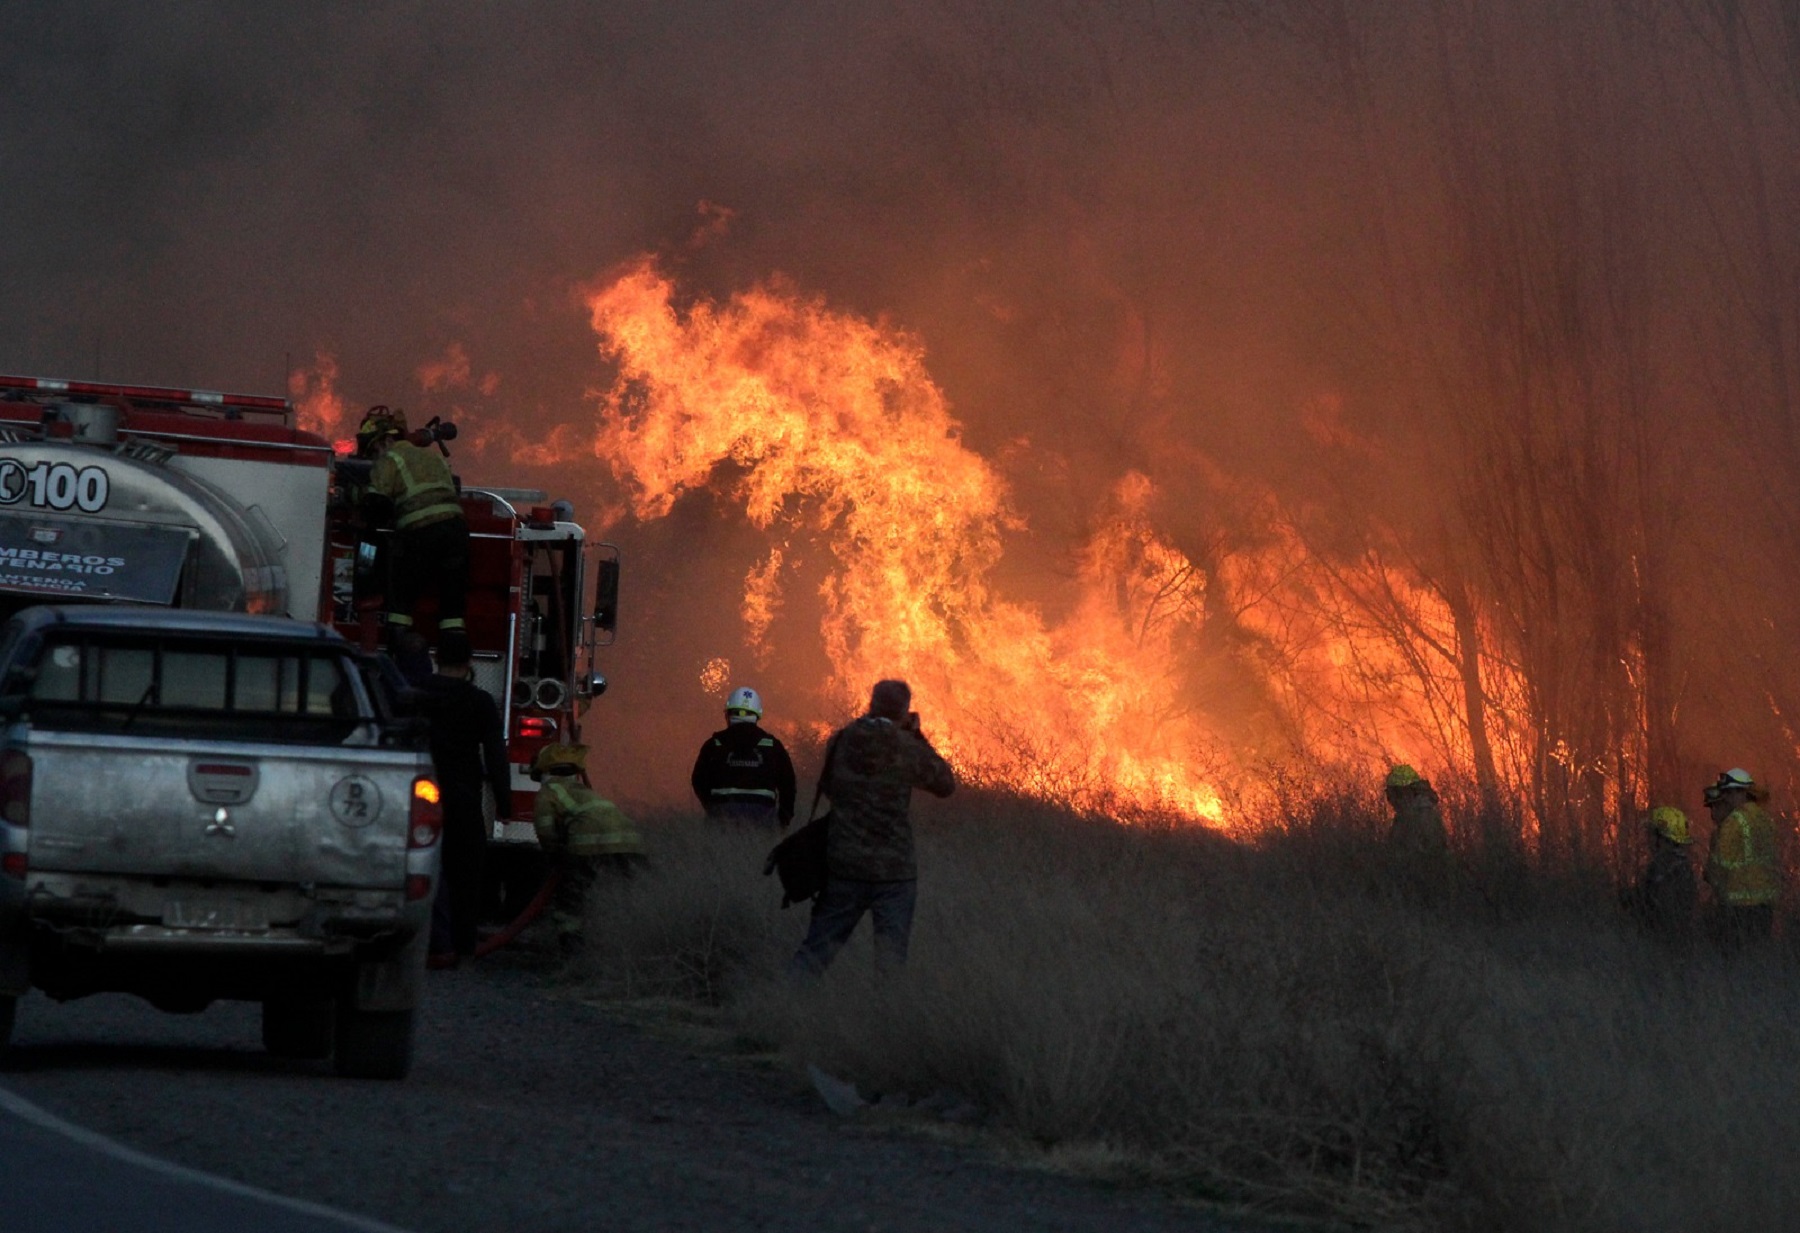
(430, 544)
(1742, 867)
(582, 833)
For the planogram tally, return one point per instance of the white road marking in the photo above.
(21, 1108)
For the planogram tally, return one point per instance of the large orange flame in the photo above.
(835, 426)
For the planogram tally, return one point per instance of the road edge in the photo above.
(15, 1104)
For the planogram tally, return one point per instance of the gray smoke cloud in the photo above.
(1226, 245)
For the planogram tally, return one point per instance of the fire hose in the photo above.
(532, 911)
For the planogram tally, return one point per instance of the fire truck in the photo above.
(199, 499)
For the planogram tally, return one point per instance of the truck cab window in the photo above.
(59, 674)
(193, 679)
(124, 673)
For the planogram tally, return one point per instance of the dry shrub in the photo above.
(694, 921)
(1280, 1025)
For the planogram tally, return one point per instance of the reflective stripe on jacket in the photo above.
(571, 817)
(741, 765)
(1741, 867)
(418, 482)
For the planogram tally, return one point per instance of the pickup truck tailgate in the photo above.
(151, 807)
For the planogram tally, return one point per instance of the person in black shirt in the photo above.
(743, 774)
(468, 748)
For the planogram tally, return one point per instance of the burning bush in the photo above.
(1275, 1025)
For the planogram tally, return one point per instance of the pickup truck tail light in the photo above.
(426, 821)
(15, 787)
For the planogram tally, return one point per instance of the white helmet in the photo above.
(744, 706)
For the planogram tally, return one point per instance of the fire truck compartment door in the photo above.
(91, 560)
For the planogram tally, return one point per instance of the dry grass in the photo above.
(1291, 1026)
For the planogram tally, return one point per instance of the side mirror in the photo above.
(606, 594)
(594, 686)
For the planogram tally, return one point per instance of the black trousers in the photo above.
(427, 558)
(458, 906)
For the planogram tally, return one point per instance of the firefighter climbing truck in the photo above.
(196, 499)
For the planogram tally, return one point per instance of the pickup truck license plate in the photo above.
(188, 914)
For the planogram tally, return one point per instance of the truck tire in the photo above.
(374, 1044)
(297, 1028)
(9, 1012)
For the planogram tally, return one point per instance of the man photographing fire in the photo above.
(872, 766)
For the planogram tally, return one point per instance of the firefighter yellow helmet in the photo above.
(566, 759)
(1671, 824)
(380, 423)
(1403, 776)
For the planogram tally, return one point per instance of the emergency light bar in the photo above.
(146, 393)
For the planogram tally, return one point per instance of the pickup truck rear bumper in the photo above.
(172, 911)
(166, 940)
(73, 933)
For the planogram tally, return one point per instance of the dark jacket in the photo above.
(1665, 896)
(742, 765)
(874, 766)
(467, 743)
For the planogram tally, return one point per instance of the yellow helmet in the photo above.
(1670, 823)
(380, 423)
(1403, 776)
(566, 758)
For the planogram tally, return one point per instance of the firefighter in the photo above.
(1741, 868)
(583, 835)
(468, 750)
(430, 544)
(1418, 827)
(1663, 899)
(742, 773)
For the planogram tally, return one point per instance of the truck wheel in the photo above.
(299, 1029)
(374, 1044)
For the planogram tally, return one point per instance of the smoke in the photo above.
(1459, 292)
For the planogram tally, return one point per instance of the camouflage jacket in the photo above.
(872, 767)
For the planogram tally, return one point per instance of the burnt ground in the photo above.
(528, 1110)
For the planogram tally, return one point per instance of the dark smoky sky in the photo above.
(199, 192)
(1162, 237)
(206, 194)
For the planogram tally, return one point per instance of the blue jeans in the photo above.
(836, 912)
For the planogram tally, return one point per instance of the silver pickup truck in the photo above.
(203, 805)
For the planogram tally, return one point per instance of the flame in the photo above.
(321, 408)
(832, 424)
(762, 600)
(715, 676)
(449, 371)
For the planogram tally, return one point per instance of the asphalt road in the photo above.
(62, 1178)
(526, 1111)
